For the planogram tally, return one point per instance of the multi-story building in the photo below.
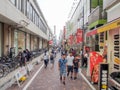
(22, 25)
(109, 34)
(96, 19)
(103, 33)
(78, 20)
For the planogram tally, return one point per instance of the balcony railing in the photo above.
(95, 15)
(96, 18)
(109, 3)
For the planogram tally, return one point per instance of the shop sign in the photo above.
(79, 36)
(117, 60)
(103, 76)
(93, 32)
(109, 26)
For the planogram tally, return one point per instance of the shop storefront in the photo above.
(28, 41)
(1, 39)
(19, 41)
(40, 43)
(92, 40)
(36, 43)
(107, 42)
(110, 45)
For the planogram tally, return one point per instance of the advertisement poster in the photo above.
(103, 77)
(95, 60)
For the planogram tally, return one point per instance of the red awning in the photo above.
(93, 32)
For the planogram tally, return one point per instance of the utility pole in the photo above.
(83, 33)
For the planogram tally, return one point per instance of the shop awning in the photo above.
(101, 21)
(109, 26)
(93, 32)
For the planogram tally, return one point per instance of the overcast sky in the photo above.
(56, 12)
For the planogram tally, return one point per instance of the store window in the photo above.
(21, 40)
(16, 42)
(28, 42)
(35, 43)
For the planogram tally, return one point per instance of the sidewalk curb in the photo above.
(91, 86)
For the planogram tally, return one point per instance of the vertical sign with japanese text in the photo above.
(103, 76)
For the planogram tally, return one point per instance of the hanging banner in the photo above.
(93, 32)
(79, 36)
(103, 77)
(50, 42)
(64, 32)
(71, 39)
(95, 60)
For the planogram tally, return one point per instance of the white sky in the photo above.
(56, 12)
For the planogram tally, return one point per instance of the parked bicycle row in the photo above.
(8, 64)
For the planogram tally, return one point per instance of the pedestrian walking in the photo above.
(62, 66)
(76, 66)
(85, 59)
(52, 59)
(46, 59)
(28, 55)
(70, 59)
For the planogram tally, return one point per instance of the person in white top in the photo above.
(46, 59)
(70, 59)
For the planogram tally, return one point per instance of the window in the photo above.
(28, 4)
(33, 16)
(23, 6)
(13, 2)
(26, 7)
(19, 5)
(31, 11)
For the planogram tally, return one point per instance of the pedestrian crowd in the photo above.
(68, 64)
(24, 56)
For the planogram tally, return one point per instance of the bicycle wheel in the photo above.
(1, 72)
(6, 69)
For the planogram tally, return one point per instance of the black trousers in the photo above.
(84, 63)
(45, 63)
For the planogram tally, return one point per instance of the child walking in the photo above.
(62, 66)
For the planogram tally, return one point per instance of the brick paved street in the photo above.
(48, 79)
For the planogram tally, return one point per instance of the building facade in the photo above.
(78, 22)
(100, 21)
(22, 26)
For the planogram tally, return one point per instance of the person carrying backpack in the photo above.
(62, 67)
